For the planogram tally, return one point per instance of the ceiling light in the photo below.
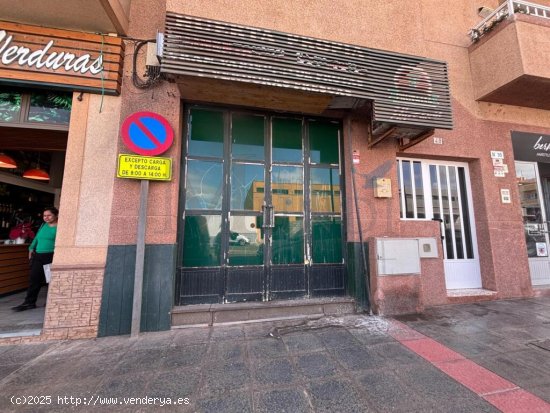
(7, 162)
(38, 174)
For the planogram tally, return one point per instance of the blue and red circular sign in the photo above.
(147, 133)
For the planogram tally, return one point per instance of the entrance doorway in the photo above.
(262, 208)
(533, 192)
(441, 191)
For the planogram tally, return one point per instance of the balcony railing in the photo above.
(507, 10)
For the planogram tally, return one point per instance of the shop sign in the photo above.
(407, 90)
(147, 133)
(531, 147)
(144, 167)
(66, 59)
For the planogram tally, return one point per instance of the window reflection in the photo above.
(50, 108)
(287, 140)
(323, 142)
(247, 187)
(526, 177)
(326, 240)
(247, 137)
(206, 133)
(204, 185)
(246, 240)
(288, 240)
(10, 106)
(201, 246)
(325, 190)
(288, 188)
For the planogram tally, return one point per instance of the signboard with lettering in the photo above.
(531, 147)
(144, 167)
(406, 90)
(69, 60)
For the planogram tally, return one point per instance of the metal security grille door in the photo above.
(262, 208)
(440, 191)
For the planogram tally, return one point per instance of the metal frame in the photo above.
(227, 213)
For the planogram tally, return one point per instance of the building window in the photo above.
(19, 108)
(411, 189)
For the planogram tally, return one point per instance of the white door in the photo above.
(535, 226)
(451, 203)
(441, 191)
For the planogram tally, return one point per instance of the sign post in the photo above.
(147, 134)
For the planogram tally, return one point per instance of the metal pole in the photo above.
(358, 216)
(140, 259)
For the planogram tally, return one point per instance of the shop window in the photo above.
(44, 108)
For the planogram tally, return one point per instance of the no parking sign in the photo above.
(147, 133)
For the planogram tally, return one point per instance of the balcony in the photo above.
(509, 56)
(96, 16)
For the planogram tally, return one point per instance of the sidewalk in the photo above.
(347, 364)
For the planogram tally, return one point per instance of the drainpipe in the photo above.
(358, 216)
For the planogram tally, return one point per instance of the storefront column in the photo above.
(74, 295)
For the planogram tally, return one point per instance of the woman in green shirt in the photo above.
(40, 254)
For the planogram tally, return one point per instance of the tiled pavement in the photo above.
(348, 364)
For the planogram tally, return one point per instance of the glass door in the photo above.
(534, 225)
(262, 209)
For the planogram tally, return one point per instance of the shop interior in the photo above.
(33, 139)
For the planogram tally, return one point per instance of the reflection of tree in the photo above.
(197, 249)
(10, 105)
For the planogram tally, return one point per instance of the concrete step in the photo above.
(470, 295)
(210, 314)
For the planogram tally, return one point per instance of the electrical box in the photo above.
(151, 58)
(397, 256)
(427, 248)
(382, 187)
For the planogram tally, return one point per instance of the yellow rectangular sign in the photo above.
(144, 167)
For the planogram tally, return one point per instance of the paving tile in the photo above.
(140, 360)
(227, 403)
(283, 401)
(183, 356)
(24, 353)
(274, 372)
(475, 377)
(316, 365)
(127, 385)
(432, 351)
(385, 392)
(516, 372)
(397, 354)
(225, 376)
(180, 383)
(302, 343)
(370, 338)
(359, 358)
(266, 348)
(337, 337)
(518, 401)
(226, 350)
(186, 336)
(220, 333)
(336, 396)
(7, 369)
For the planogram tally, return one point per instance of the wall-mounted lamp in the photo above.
(484, 11)
(7, 162)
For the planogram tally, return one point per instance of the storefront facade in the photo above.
(304, 152)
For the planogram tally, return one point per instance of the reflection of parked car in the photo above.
(239, 239)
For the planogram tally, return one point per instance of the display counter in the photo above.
(14, 268)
